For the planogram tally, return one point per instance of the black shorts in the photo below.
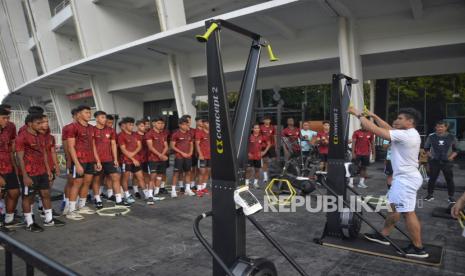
(323, 157)
(89, 168)
(158, 167)
(130, 168)
(255, 163)
(182, 165)
(305, 153)
(11, 181)
(39, 182)
(195, 161)
(108, 168)
(145, 167)
(271, 153)
(201, 164)
(388, 168)
(167, 163)
(363, 160)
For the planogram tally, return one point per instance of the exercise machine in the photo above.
(343, 226)
(231, 202)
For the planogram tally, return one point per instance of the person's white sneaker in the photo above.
(74, 216)
(351, 182)
(174, 194)
(362, 185)
(158, 198)
(85, 211)
(190, 192)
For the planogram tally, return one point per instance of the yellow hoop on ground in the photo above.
(273, 198)
(114, 211)
(461, 219)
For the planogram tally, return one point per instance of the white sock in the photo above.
(135, 189)
(192, 183)
(188, 187)
(362, 180)
(28, 217)
(146, 193)
(72, 206)
(162, 185)
(109, 193)
(67, 203)
(82, 202)
(204, 186)
(127, 194)
(48, 215)
(118, 198)
(150, 193)
(97, 198)
(173, 189)
(265, 176)
(180, 184)
(9, 217)
(156, 191)
(351, 181)
(255, 181)
(247, 182)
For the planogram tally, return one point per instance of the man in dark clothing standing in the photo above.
(441, 150)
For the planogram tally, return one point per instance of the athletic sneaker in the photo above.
(5, 229)
(123, 203)
(74, 215)
(163, 191)
(174, 194)
(98, 204)
(13, 224)
(429, 198)
(158, 198)
(190, 192)
(103, 195)
(362, 185)
(194, 188)
(34, 227)
(451, 200)
(182, 190)
(137, 195)
(112, 198)
(130, 199)
(54, 214)
(413, 251)
(85, 211)
(54, 222)
(199, 193)
(375, 237)
(150, 201)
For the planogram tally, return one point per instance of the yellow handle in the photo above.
(271, 56)
(206, 35)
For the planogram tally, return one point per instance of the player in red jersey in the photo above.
(107, 150)
(202, 144)
(292, 133)
(36, 172)
(322, 140)
(269, 131)
(166, 132)
(130, 146)
(65, 133)
(258, 147)
(9, 183)
(181, 143)
(362, 147)
(157, 156)
(86, 163)
(142, 158)
(107, 179)
(194, 170)
(31, 110)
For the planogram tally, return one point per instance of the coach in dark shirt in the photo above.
(441, 149)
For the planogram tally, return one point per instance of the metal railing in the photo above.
(32, 258)
(61, 6)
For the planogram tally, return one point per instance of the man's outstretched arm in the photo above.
(369, 125)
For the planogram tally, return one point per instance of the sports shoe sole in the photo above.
(377, 241)
(75, 218)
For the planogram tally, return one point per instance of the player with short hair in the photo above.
(258, 147)
(269, 131)
(322, 140)
(202, 144)
(363, 145)
(142, 157)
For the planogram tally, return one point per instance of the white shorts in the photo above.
(403, 192)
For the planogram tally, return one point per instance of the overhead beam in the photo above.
(119, 63)
(337, 7)
(417, 8)
(281, 28)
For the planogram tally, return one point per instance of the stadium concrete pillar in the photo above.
(103, 100)
(351, 64)
(62, 107)
(171, 14)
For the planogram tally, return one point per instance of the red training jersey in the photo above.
(48, 140)
(130, 142)
(183, 142)
(269, 132)
(362, 140)
(323, 142)
(83, 136)
(6, 142)
(22, 129)
(34, 159)
(256, 144)
(66, 131)
(293, 133)
(103, 137)
(158, 141)
(204, 143)
(142, 154)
